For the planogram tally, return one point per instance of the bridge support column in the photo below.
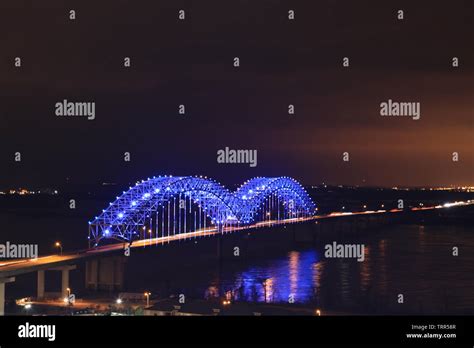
(64, 278)
(316, 232)
(219, 247)
(3, 281)
(105, 273)
(64, 282)
(92, 274)
(40, 286)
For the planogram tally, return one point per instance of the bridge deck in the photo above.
(22, 266)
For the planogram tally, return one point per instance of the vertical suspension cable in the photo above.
(162, 224)
(179, 214)
(150, 230)
(156, 226)
(278, 204)
(190, 215)
(194, 221)
(270, 209)
(169, 210)
(174, 215)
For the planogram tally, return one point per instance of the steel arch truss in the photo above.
(256, 191)
(130, 211)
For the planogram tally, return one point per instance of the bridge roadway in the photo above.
(66, 262)
(13, 268)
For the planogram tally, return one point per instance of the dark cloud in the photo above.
(282, 63)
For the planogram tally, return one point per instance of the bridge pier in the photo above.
(64, 282)
(3, 281)
(40, 285)
(316, 232)
(64, 279)
(105, 273)
(219, 246)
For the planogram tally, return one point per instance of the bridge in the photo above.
(166, 206)
(165, 209)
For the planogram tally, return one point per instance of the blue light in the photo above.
(241, 207)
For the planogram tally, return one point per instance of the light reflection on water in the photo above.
(293, 278)
(412, 260)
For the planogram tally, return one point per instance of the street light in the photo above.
(58, 245)
(147, 295)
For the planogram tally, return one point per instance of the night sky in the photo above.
(282, 62)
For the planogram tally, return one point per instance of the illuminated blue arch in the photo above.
(255, 191)
(129, 211)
